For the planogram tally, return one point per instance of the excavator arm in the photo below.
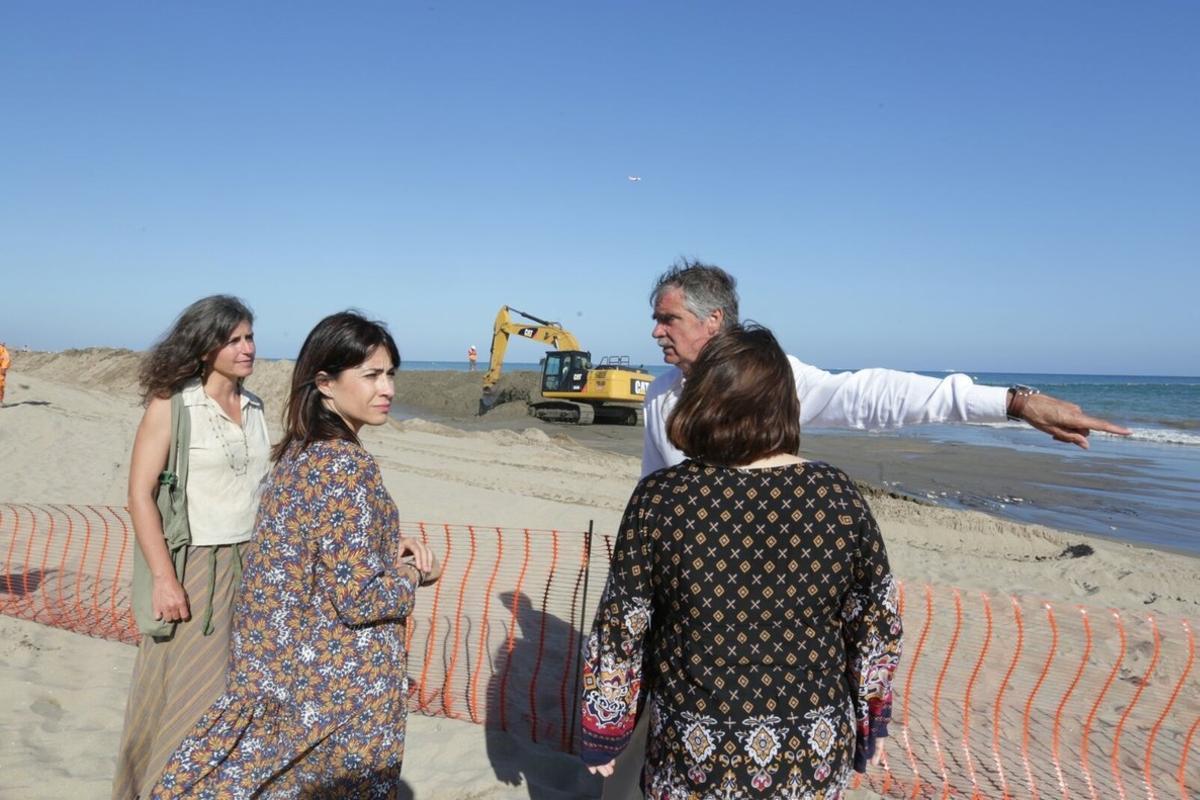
(548, 333)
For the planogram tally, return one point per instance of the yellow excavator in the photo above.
(573, 389)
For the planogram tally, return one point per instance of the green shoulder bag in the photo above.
(172, 507)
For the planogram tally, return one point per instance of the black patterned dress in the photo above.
(752, 612)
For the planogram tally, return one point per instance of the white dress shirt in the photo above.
(869, 398)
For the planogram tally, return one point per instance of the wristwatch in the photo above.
(1018, 395)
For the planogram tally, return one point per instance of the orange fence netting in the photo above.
(996, 697)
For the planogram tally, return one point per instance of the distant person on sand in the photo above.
(180, 668)
(693, 302)
(762, 649)
(472, 357)
(5, 363)
(317, 698)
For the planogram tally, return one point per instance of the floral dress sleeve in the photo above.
(612, 655)
(364, 583)
(871, 630)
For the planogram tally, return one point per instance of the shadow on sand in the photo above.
(527, 698)
(21, 584)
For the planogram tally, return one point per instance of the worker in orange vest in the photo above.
(5, 363)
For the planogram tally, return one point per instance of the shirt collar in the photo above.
(194, 395)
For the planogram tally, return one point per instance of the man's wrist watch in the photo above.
(1018, 396)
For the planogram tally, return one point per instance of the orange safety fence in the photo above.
(996, 697)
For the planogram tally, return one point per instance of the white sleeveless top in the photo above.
(226, 467)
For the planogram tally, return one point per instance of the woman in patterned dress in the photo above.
(749, 607)
(316, 704)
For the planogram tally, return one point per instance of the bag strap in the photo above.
(179, 429)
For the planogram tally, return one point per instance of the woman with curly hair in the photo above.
(316, 704)
(197, 369)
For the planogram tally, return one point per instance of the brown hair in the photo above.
(338, 342)
(739, 403)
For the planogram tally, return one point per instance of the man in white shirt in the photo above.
(695, 301)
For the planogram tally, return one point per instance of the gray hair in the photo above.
(705, 287)
(179, 355)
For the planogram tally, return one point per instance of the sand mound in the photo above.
(272, 380)
(91, 367)
(116, 370)
(444, 393)
(440, 394)
(513, 410)
(457, 394)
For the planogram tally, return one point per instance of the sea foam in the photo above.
(1154, 435)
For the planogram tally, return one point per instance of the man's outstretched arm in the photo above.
(883, 398)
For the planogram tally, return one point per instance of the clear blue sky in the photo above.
(978, 186)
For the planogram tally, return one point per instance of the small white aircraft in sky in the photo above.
(635, 178)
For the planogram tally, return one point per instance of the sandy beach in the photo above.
(65, 434)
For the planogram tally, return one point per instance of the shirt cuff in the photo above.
(987, 403)
(596, 750)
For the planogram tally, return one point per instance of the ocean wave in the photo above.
(1155, 435)
(1163, 436)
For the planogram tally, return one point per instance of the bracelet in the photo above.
(1020, 396)
(421, 574)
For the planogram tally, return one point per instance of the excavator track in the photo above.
(563, 411)
(614, 414)
(568, 411)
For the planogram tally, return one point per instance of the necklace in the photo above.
(239, 466)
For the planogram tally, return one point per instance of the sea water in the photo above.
(1143, 488)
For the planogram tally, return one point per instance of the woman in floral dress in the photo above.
(749, 608)
(315, 705)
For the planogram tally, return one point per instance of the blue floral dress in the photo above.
(753, 615)
(315, 705)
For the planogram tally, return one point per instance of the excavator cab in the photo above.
(566, 371)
